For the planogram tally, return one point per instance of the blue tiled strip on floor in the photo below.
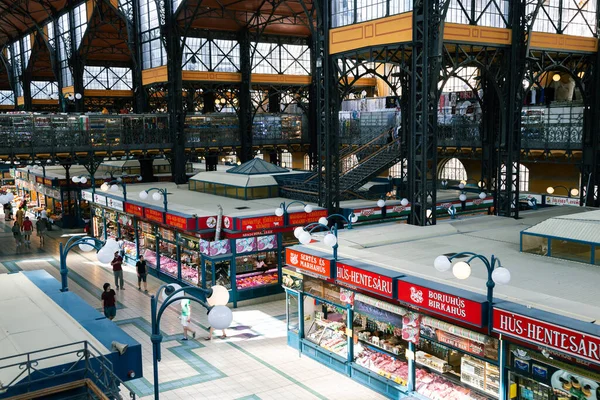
(251, 397)
(283, 374)
(206, 372)
(12, 267)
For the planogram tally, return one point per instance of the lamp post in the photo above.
(496, 273)
(86, 244)
(156, 197)
(83, 180)
(330, 239)
(283, 210)
(214, 299)
(572, 192)
(352, 218)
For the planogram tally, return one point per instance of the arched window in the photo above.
(306, 162)
(286, 160)
(396, 170)
(523, 178)
(453, 170)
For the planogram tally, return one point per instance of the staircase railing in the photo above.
(32, 371)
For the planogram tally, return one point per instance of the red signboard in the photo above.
(308, 262)
(183, 223)
(153, 215)
(304, 218)
(47, 181)
(134, 209)
(207, 222)
(365, 279)
(39, 179)
(257, 223)
(441, 303)
(542, 333)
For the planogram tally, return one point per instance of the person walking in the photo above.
(27, 231)
(109, 301)
(210, 333)
(142, 273)
(16, 230)
(186, 317)
(117, 265)
(40, 228)
(20, 216)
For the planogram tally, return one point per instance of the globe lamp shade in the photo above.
(550, 190)
(462, 197)
(305, 238)
(279, 211)
(380, 203)
(482, 195)
(10, 197)
(461, 185)
(83, 180)
(404, 202)
(219, 296)
(442, 263)
(86, 245)
(143, 195)
(330, 240)
(298, 231)
(171, 288)
(105, 256)
(574, 192)
(3, 199)
(75, 179)
(501, 276)
(156, 196)
(220, 317)
(354, 218)
(104, 187)
(323, 221)
(308, 209)
(461, 270)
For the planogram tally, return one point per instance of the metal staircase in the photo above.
(373, 157)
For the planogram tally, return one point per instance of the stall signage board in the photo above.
(308, 262)
(542, 333)
(562, 201)
(183, 223)
(304, 218)
(39, 179)
(87, 196)
(47, 181)
(134, 209)
(98, 199)
(364, 279)
(153, 215)
(258, 223)
(207, 222)
(467, 345)
(366, 213)
(450, 305)
(114, 203)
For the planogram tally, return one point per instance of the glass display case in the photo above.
(329, 335)
(168, 252)
(255, 270)
(112, 227)
(190, 258)
(217, 272)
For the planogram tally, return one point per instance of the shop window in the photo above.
(220, 190)
(597, 255)
(453, 170)
(570, 250)
(254, 270)
(293, 320)
(523, 178)
(259, 193)
(209, 187)
(534, 244)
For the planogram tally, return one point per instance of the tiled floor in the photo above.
(253, 363)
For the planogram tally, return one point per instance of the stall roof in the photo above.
(584, 227)
(563, 287)
(257, 166)
(254, 173)
(183, 200)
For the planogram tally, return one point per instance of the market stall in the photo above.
(394, 333)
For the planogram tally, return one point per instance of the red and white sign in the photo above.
(549, 335)
(562, 201)
(207, 222)
(304, 218)
(442, 303)
(367, 212)
(258, 223)
(308, 262)
(367, 280)
(153, 215)
(467, 345)
(397, 209)
(183, 223)
(134, 209)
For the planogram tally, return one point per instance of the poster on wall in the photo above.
(219, 247)
(204, 246)
(411, 322)
(245, 245)
(264, 243)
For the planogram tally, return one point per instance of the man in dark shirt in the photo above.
(117, 264)
(142, 273)
(109, 302)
